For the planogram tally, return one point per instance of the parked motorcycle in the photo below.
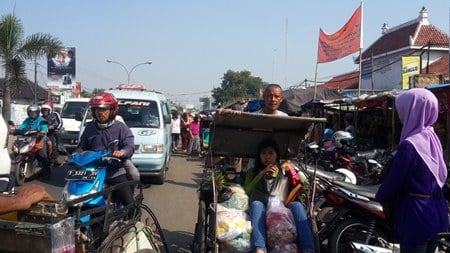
(351, 219)
(26, 164)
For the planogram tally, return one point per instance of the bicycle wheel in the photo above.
(153, 223)
(199, 243)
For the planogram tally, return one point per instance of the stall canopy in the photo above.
(295, 98)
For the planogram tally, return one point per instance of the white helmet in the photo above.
(44, 106)
(341, 137)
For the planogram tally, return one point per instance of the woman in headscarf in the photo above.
(417, 175)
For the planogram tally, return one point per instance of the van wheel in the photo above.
(162, 177)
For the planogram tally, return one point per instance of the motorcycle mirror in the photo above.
(372, 161)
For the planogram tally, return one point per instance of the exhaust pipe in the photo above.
(365, 248)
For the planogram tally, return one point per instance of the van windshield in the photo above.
(70, 109)
(139, 113)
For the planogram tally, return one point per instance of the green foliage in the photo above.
(237, 85)
(85, 94)
(97, 91)
(15, 50)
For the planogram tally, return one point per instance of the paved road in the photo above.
(174, 203)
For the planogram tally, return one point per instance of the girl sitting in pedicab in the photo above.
(269, 182)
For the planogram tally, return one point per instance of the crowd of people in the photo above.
(414, 183)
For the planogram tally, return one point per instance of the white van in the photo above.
(146, 113)
(68, 135)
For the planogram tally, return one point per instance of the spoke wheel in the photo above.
(353, 230)
(199, 243)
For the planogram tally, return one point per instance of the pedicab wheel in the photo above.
(199, 243)
(153, 223)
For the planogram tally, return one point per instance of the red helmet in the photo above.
(48, 105)
(104, 100)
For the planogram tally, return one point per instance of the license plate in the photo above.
(81, 175)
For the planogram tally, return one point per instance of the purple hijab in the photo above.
(418, 110)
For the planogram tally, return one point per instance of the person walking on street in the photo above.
(176, 130)
(184, 131)
(418, 173)
(194, 141)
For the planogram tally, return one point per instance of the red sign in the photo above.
(342, 43)
(124, 86)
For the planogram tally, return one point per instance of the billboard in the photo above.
(61, 69)
(410, 67)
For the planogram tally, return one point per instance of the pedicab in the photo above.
(237, 134)
(60, 227)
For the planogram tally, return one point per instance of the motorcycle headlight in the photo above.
(152, 148)
(24, 149)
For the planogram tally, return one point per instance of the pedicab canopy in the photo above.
(235, 133)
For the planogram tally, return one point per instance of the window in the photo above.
(139, 113)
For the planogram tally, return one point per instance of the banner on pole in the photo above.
(342, 43)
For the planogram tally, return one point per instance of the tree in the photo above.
(237, 85)
(15, 50)
(85, 94)
(97, 91)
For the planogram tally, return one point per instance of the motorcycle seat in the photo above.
(365, 190)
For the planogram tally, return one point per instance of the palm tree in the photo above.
(15, 50)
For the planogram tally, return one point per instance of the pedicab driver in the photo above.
(103, 130)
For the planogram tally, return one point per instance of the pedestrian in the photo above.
(194, 141)
(184, 131)
(265, 179)
(348, 123)
(418, 173)
(176, 130)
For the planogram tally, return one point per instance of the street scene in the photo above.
(199, 127)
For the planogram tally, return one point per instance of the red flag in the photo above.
(343, 42)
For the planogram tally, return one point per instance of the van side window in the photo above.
(165, 111)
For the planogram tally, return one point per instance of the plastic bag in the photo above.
(231, 223)
(280, 223)
(238, 199)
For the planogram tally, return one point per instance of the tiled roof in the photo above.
(439, 66)
(398, 38)
(392, 40)
(343, 82)
(431, 34)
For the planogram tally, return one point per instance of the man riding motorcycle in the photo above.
(103, 130)
(38, 123)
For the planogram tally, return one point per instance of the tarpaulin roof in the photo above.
(295, 98)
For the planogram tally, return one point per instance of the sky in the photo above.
(191, 44)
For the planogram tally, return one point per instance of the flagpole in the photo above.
(359, 79)
(360, 49)
(315, 80)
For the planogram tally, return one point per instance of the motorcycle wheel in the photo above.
(353, 230)
(21, 171)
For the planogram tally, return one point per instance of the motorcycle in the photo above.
(26, 163)
(85, 187)
(352, 220)
(103, 221)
